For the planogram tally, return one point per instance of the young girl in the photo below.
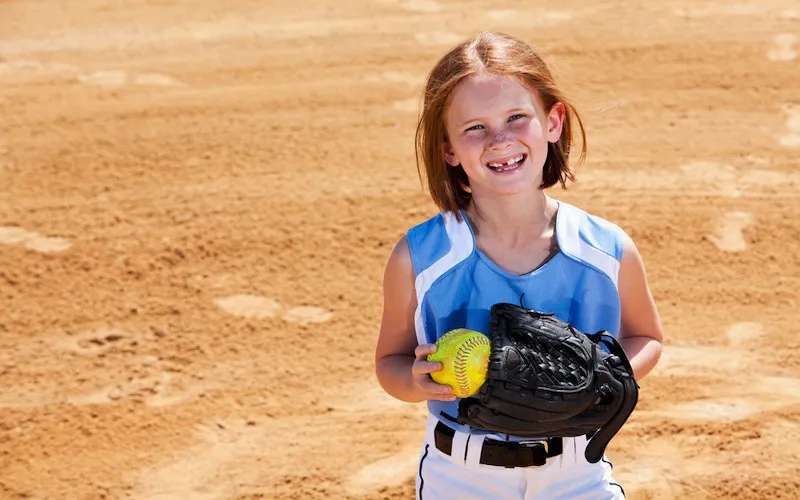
(495, 131)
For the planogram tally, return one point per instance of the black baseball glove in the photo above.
(547, 379)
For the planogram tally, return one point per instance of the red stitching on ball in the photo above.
(460, 362)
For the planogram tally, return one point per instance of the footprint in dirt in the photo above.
(728, 235)
(17, 236)
(791, 139)
(783, 48)
(255, 306)
(307, 314)
(249, 306)
(740, 334)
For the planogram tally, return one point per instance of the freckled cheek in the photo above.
(473, 143)
(525, 128)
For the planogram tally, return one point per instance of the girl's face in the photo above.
(498, 132)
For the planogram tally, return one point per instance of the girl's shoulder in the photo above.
(444, 234)
(579, 230)
(591, 240)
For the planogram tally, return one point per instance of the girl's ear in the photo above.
(555, 122)
(449, 155)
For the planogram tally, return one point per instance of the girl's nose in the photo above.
(498, 139)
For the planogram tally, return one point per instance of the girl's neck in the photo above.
(513, 220)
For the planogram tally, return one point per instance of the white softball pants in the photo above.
(460, 477)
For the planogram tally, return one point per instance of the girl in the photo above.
(495, 131)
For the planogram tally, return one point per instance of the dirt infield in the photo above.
(197, 200)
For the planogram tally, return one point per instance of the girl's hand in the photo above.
(421, 370)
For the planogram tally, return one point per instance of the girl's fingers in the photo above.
(436, 391)
(435, 388)
(423, 350)
(424, 367)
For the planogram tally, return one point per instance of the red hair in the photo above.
(498, 54)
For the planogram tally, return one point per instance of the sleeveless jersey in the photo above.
(456, 284)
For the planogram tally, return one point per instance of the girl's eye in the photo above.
(474, 127)
(515, 117)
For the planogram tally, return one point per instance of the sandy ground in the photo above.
(197, 200)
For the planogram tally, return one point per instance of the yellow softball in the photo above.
(464, 355)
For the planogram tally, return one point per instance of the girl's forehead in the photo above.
(486, 92)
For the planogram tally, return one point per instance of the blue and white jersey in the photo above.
(456, 284)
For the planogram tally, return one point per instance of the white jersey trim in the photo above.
(461, 246)
(568, 235)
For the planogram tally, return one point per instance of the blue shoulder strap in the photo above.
(590, 240)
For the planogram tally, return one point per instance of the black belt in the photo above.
(504, 453)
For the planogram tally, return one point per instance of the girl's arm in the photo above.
(641, 333)
(400, 364)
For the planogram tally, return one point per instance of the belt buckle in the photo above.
(545, 444)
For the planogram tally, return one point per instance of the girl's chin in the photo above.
(528, 187)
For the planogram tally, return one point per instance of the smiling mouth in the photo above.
(510, 164)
